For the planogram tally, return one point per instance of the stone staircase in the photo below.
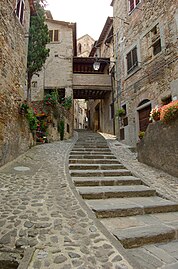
(130, 210)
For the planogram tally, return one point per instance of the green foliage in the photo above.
(32, 119)
(141, 134)
(38, 38)
(51, 99)
(67, 103)
(120, 112)
(61, 127)
(23, 108)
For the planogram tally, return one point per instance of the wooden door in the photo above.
(144, 115)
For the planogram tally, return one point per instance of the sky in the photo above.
(90, 15)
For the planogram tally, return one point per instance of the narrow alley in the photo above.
(45, 223)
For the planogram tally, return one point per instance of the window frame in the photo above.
(54, 35)
(20, 10)
(133, 60)
(133, 4)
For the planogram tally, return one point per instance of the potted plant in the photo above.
(155, 114)
(141, 134)
(169, 112)
(120, 112)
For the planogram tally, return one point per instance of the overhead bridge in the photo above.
(88, 83)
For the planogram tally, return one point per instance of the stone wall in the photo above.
(14, 132)
(156, 76)
(159, 147)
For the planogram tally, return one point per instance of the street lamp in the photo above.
(97, 62)
(96, 65)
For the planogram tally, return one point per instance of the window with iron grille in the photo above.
(132, 60)
(20, 5)
(133, 4)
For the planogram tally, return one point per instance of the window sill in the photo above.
(133, 72)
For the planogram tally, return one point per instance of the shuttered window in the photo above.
(132, 60)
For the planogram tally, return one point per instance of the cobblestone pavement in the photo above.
(165, 184)
(40, 210)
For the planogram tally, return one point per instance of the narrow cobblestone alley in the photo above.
(45, 221)
(41, 214)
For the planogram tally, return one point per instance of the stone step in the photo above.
(89, 146)
(136, 237)
(94, 161)
(96, 166)
(122, 207)
(100, 173)
(94, 149)
(93, 157)
(160, 255)
(104, 192)
(138, 230)
(106, 181)
(93, 153)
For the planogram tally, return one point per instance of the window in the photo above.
(133, 4)
(54, 35)
(20, 10)
(132, 60)
(156, 47)
(34, 84)
(155, 39)
(79, 48)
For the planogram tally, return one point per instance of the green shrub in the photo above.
(61, 127)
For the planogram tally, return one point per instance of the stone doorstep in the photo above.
(106, 181)
(93, 161)
(99, 156)
(123, 207)
(100, 173)
(105, 192)
(96, 166)
(136, 237)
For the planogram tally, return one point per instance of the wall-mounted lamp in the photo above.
(96, 64)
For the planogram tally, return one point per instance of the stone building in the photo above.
(145, 38)
(57, 73)
(101, 111)
(80, 114)
(84, 45)
(14, 25)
